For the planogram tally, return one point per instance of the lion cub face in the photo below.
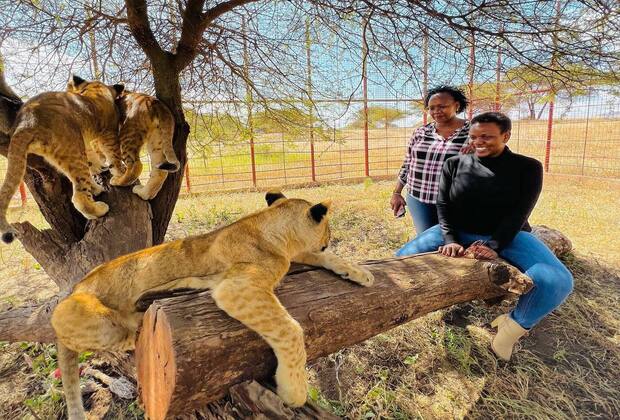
(311, 225)
(94, 89)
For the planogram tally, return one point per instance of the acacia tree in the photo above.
(72, 246)
(378, 117)
(227, 49)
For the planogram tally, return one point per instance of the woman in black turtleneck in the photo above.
(484, 202)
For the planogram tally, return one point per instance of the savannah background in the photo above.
(342, 136)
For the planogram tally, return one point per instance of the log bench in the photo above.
(190, 353)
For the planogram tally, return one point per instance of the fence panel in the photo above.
(581, 138)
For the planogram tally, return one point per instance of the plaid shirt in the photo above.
(426, 153)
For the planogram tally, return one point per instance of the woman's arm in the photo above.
(531, 186)
(397, 202)
(403, 173)
(443, 212)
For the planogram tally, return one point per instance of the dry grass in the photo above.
(438, 366)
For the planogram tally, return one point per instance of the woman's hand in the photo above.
(481, 252)
(396, 203)
(452, 250)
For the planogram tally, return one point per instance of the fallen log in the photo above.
(190, 353)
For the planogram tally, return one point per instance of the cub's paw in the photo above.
(143, 192)
(359, 275)
(96, 189)
(101, 208)
(97, 169)
(169, 166)
(117, 181)
(292, 386)
(95, 210)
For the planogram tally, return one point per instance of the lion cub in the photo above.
(61, 126)
(146, 119)
(241, 263)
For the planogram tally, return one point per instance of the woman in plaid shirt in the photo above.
(428, 148)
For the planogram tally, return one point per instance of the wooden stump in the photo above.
(190, 353)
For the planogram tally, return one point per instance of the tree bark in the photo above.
(189, 352)
(125, 229)
(72, 246)
(168, 90)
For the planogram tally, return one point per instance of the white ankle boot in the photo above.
(508, 333)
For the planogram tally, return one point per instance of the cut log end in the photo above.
(156, 363)
(509, 278)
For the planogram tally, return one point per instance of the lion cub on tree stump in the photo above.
(62, 127)
(241, 263)
(145, 119)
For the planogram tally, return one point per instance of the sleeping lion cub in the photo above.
(241, 263)
(61, 127)
(145, 119)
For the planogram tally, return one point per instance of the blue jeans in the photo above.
(424, 215)
(552, 280)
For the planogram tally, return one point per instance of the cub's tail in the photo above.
(18, 152)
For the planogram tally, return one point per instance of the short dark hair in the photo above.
(457, 94)
(498, 118)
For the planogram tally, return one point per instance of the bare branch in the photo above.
(138, 20)
(194, 24)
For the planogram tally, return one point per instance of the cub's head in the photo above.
(94, 89)
(308, 221)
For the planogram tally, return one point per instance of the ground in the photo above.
(438, 366)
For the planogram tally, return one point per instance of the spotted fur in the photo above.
(241, 263)
(61, 127)
(146, 120)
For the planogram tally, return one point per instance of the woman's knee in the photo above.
(428, 241)
(552, 280)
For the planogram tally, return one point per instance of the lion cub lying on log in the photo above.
(241, 263)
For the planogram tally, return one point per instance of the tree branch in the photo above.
(29, 323)
(138, 20)
(50, 256)
(194, 25)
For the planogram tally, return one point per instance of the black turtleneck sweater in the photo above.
(488, 196)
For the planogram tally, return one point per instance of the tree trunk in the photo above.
(189, 352)
(72, 246)
(168, 90)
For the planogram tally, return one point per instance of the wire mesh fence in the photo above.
(575, 136)
(571, 135)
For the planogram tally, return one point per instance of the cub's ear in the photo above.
(318, 211)
(77, 80)
(119, 89)
(273, 196)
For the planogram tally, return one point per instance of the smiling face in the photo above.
(442, 107)
(487, 139)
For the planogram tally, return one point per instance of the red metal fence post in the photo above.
(425, 74)
(365, 93)
(312, 159)
(253, 158)
(549, 134)
(188, 185)
(22, 193)
(472, 66)
(366, 164)
(498, 105)
(309, 89)
(585, 136)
